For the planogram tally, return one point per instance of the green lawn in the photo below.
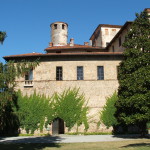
(120, 145)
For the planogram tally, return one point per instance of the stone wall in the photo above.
(96, 91)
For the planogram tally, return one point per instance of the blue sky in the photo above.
(27, 22)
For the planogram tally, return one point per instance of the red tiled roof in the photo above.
(24, 55)
(59, 54)
(76, 46)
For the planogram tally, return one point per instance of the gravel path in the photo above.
(67, 139)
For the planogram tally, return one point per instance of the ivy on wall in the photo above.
(36, 111)
(33, 111)
(71, 107)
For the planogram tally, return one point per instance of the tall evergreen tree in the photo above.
(133, 106)
(2, 36)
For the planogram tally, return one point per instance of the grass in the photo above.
(143, 144)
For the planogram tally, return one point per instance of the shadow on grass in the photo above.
(137, 145)
(131, 136)
(27, 146)
(29, 143)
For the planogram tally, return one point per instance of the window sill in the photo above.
(28, 83)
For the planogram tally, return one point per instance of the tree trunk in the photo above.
(142, 127)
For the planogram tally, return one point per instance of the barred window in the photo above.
(59, 73)
(100, 73)
(29, 75)
(79, 72)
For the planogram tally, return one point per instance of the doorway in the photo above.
(58, 126)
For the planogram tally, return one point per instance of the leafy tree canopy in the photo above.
(2, 36)
(8, 97)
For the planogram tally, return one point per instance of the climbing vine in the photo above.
(33, 111)
(36, 111)
(71, 107)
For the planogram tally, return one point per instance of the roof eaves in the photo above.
(62, 54)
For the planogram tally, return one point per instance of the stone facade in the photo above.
(96, 91)
(106, 50)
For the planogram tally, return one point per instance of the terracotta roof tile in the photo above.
(76, 46)
(28, 54)
(59, 54)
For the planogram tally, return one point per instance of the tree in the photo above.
(133, 106)
(107, 115)
(2, 36)
(8, 99)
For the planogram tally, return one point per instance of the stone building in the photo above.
(92, 67)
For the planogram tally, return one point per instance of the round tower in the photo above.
(59, 33)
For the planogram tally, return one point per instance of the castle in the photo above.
(92, 67)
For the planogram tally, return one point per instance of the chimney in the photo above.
(71, 42)
(90, 42)
(50, 44)
(86, 43)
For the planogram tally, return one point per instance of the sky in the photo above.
(27, 22)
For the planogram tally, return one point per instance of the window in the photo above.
(59, 75)
(29, 75)
(79, 72)
(119, 41)
(29, 78)
(55, 26)
(113, 48)
(100, 73)
(63, 26)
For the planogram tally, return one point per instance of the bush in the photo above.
(107, 114)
